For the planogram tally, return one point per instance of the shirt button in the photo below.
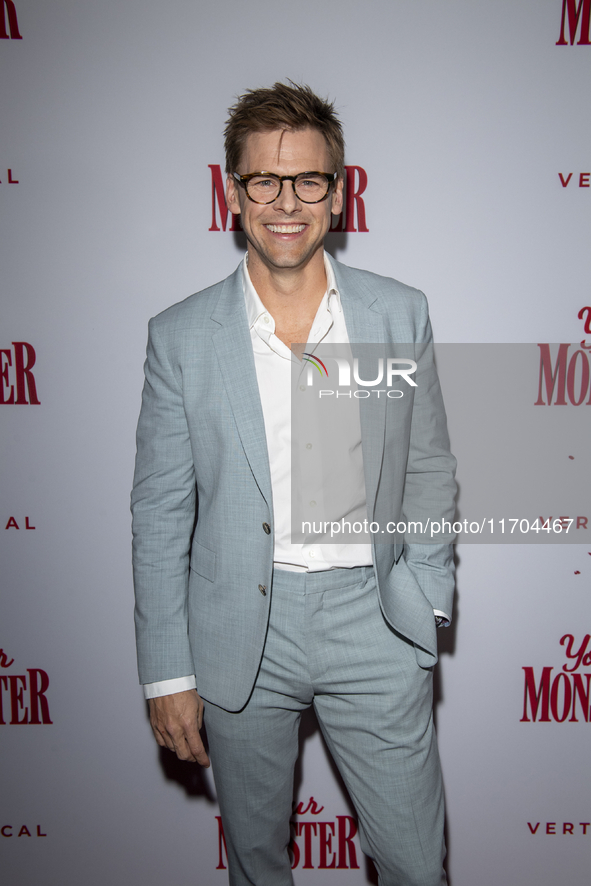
(267, 528)
(302, 387)
(312, 504)
(266, 318)
(312, 554)
(263, 590)
(308, 446)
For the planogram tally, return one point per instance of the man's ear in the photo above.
(232, 201)
(337, 197)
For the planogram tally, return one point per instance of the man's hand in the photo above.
(176, 721)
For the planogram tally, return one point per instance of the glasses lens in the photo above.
(263, 188)
(311, 188)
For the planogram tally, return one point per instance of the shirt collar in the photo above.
(255, 309)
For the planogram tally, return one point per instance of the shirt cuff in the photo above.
(446, 619)
(169, 687)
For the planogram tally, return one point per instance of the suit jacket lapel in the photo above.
(233, 347)
(364, 326)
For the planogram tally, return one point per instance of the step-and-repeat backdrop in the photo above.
(468, 176)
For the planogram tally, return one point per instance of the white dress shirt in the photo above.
(278, 383)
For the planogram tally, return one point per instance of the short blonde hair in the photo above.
(281, 106)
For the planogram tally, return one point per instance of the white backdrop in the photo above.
(462, 114)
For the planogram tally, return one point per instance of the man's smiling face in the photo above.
(287, 233)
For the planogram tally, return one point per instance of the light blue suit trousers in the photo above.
(329, 646)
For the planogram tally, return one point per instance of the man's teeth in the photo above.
(285, 229)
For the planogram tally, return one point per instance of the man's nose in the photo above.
(287, 199)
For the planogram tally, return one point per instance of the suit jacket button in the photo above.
(267, 528)
(263, 590)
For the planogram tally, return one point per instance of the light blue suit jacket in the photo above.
(202, 488)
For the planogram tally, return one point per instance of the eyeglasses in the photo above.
(265, 187)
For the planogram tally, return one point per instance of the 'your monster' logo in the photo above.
(554, 697)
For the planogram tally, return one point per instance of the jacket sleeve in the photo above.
(430, 488)
(163, 504)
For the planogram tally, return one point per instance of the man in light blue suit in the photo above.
(238, 626)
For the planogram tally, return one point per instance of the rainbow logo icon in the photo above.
(317, 363)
